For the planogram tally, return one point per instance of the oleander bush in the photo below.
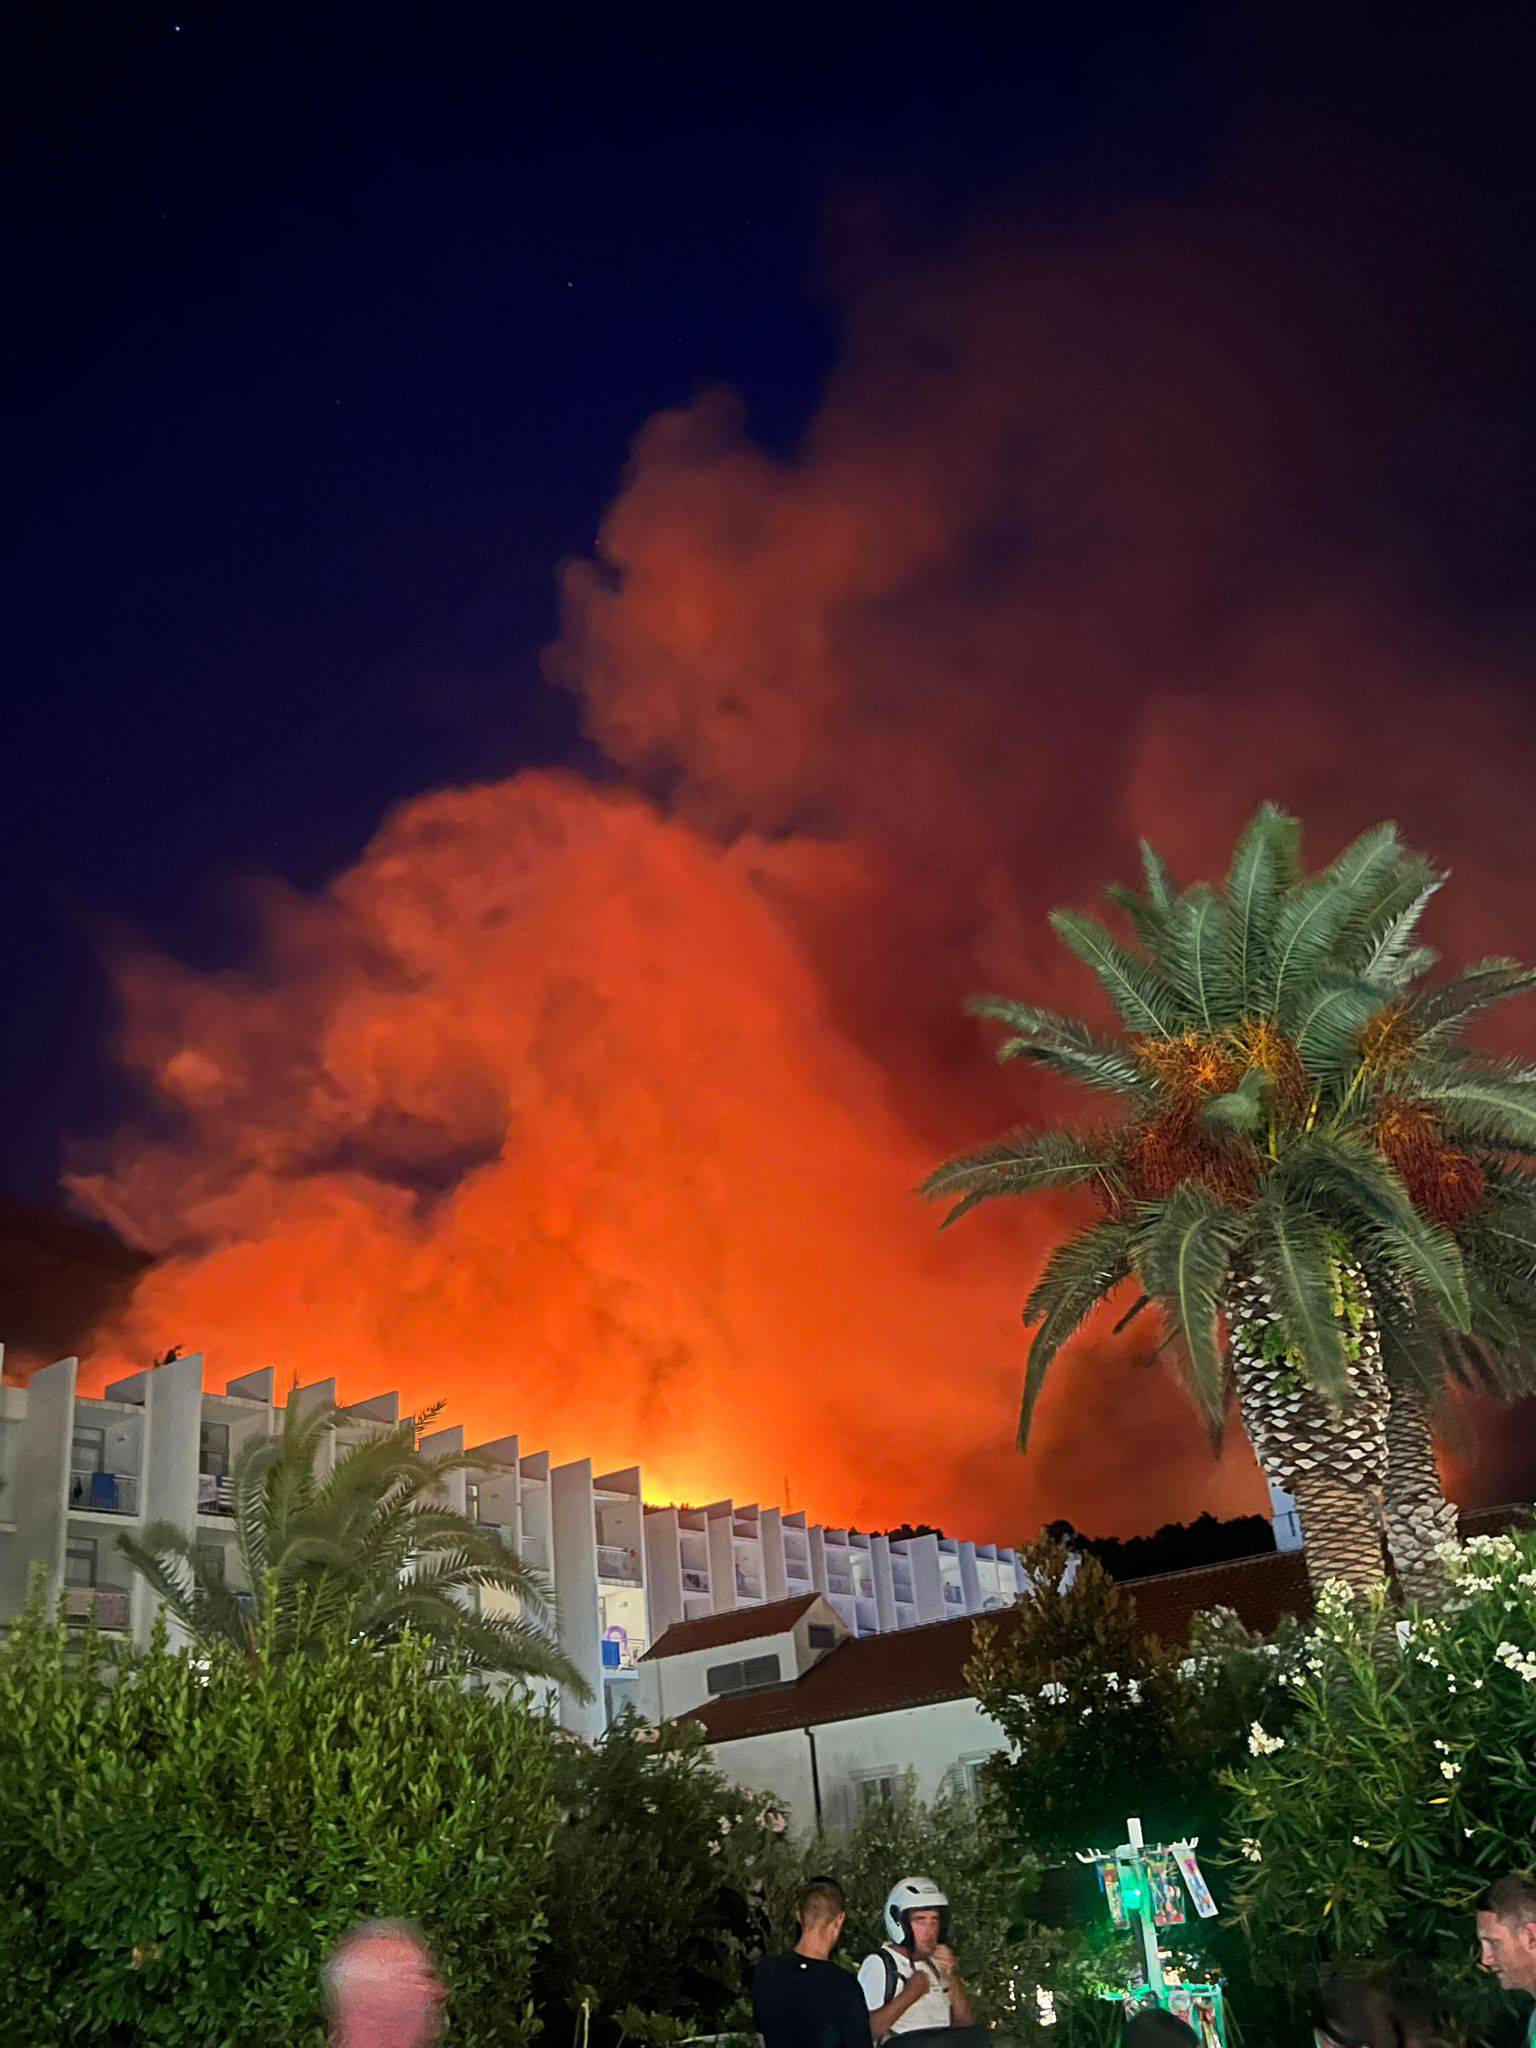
(1397, 1780)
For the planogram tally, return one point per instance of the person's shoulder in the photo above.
(769, 1967)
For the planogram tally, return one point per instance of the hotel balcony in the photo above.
(215, 1494)
(618, 1566)
(104, 1493)
(110, 1605)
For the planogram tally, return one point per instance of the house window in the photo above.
(88, 1451)
(968, 1773)
(213, 1450)
(745, 1675)
(80, 1561)
(877, 1789)
(822, 1637)
(211, 1557)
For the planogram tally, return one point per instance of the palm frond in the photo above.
(1020, 1165)
(1183, 1252)
(1387, 953)
(1077, 1276)
(1312, 918)
(1494, 1101)
(1193, 956)
(1361, 1193)
(1326, 1030)
(1263, 868)
(1162, 890)
(1146, 921)
(1064, 1045)
(1439, 1013)
(1292, 1252)
(1143, 1000)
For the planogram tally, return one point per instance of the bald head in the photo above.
(382, 1988)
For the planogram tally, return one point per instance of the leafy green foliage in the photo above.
(367, 1546)
(1395, 1778)
(660, 1878)
(1104, 1720)
(186, 1840)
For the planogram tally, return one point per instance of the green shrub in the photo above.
(185, 1840)
(1102, 1719)
(1399, 1779)
(659, 1882)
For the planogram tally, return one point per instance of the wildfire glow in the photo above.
(596, 1106)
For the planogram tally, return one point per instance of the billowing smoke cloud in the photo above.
(598, 1108)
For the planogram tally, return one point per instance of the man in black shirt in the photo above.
(803, 2000)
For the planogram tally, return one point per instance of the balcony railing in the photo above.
(618, 1565)
(105, 1493)
(109, 1604)
(695, 1582)
(215, 1493)
(955, 1596)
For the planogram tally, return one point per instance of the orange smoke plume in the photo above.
(596, 1107)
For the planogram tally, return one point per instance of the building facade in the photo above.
(76, 1470)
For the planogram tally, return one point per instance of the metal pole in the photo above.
(1144, 1915)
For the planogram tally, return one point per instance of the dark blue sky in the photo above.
(330, 329)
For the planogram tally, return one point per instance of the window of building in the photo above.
(80, 1561)
(88, 1451)
(211, 1557)
(877, 1788)
(968, 1776)
(213, 1450)
(745, 1675)
(822, 1637)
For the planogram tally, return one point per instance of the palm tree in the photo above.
(1305, 1151)
(367, 1546)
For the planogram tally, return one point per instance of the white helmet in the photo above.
(914, 1895)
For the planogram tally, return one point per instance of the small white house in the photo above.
(795, 1703)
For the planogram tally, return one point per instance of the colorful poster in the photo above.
(1194, 1878)
(1109, 1883)
(1167, 1894)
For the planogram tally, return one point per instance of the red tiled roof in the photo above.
(916, 1667)
(777, 1618)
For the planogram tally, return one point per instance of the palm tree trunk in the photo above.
(1331, 1458)
(1419, 1519)
(1341, 1531)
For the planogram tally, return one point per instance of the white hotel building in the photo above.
(76, 1470)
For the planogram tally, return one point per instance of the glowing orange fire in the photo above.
(595, 1105)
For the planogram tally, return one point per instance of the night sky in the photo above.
(1066, 431)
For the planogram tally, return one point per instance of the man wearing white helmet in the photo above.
(910, 1983)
